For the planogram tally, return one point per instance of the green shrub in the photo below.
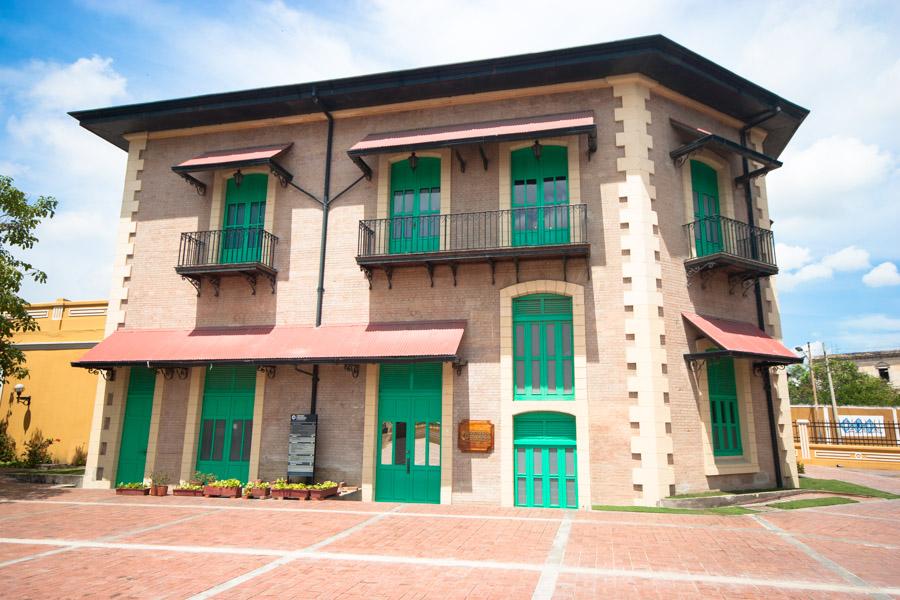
(190, 486)
(257, 485)
(281, 484)
(325, 485)
(800, 468)
(137, 485)
(203, 478)
(159, 478)
(37, 449)
(79, 457)
(226, 483)
(7, 444)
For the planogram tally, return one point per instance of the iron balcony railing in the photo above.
(470, 232)
(241, 245)
(721, 235)
(847, 433)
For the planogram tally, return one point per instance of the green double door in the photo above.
(540, 196)
(708, 229)
(136, 425)
(226, 422)
(409, 439)
(415, 206)
(244, 219)
(545, 463)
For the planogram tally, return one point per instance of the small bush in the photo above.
(7, 444)
(37, 449)
(79, 457)
(203, 478)
(800, 468)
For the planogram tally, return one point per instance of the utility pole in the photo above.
(830, 385)
(812, 376)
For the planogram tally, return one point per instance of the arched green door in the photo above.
(708, 230)
(244, 219)
(545, 460)
(540, 196)
(409, 434)
(415, 206)
(226, 422)
(136, 425)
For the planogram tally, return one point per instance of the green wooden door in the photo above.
(546, 468)
(244, 219)
(136, 425)
(409, 440)
(415, 206)
(723, 407)
(540, 192)
(226, 422)
(708, 229)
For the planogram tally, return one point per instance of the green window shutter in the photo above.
(543, 348)
(540, 189)
(543, 428)
(723, 407)
(705, 192)
(244, 219)
(226, 426)
(545, 469)
(415, 205)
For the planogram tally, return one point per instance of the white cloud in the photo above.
(883, 275)
(850, 258)
(789, 281)
(868, 332)
(792, 257)
(86, 82)
(875, 322)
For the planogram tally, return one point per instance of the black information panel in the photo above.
(302, 446)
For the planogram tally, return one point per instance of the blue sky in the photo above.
(836, 203)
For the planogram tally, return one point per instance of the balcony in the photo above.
(481, 237)
(248, 252)
(745, 252)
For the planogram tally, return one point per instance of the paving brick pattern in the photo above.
(89, 543)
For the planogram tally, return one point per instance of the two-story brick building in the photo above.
(572, 247)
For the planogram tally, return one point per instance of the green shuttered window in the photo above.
(543, 365)
(545, 460)
(723, 408)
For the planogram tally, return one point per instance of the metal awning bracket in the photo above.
(363, 166)
(460, 160)
(592, 144)
(195, 183)
(484, 159)
(283, 175)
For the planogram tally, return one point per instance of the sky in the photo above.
(835, 203)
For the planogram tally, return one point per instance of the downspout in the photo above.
(760, 317)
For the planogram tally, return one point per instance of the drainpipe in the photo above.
(760, 318)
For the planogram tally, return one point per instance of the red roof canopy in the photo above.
(742, 339)
(239, 157)
(470, 133)
(374, 342)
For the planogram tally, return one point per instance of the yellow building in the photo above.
(62, 397)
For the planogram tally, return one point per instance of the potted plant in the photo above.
(323, 490)
(298, 491)
(224, 488)
(188, 489)
(257, 489)
(280, 489)
(159, 484)
(132, 489)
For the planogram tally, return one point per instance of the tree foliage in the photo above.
(851, 386)
(18, 220)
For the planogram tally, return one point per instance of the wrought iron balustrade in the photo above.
(223, 247)
(720, 235)
(469, 233)
(848, 433)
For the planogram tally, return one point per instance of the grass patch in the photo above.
(710, 493)
(63, 471)
(843, 487)
(811, 503)
(722, 510)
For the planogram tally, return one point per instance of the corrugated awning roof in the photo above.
(698, 138)
(367, 343)
(475, 133)
(238, 157)
(739, 339)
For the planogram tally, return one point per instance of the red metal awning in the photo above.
(740, 339)
(239, 157)
(335, 344)
(475, 133)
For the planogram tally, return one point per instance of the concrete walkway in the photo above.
(888, 481)
(90, 543)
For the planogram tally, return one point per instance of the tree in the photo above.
(18, 221)
(851, 386)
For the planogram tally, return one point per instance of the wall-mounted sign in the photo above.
(476, 436)
(302, 446)
(862, 426)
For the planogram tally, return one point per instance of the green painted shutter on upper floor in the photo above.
(244, 218)
(540, 196)
(543, 348)
(724, 409)
(415, 205)
(705, 191)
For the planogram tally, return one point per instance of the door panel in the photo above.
(415, 206)
(540, 190)
(545, 460)
(409, 444)
(136, 425)
(705, 187)
(226, 422)
(244, 219)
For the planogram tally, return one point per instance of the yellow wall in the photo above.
(62, 396)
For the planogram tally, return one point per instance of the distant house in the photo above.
(879, 363)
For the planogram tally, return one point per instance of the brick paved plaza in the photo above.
(92, 544)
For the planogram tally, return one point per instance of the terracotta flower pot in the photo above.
(279, 494)
(159, 490)
(322, 494)
(132, 491)
(299, 494)
(226, 492)
(260, 493)
(180, 492)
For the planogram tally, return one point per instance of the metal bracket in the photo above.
(493, 268)
(699, 269)
(745, 282)
(196, 282)
(429, 267)
(181, 373)
(462, 162)
(214, 281)
(269, 370)
(251, 279)
(389, 272)
(484, 159)
(299, 370)
(696, 365)
(195, 183)
(106, 374)
(273, 281)
(458, 366)
(353, 369)
(368, 273)
(453, 267)
(516, 262)
(283, 175)
(565, 265)
(592, 145)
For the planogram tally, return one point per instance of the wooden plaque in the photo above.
(476, 436)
